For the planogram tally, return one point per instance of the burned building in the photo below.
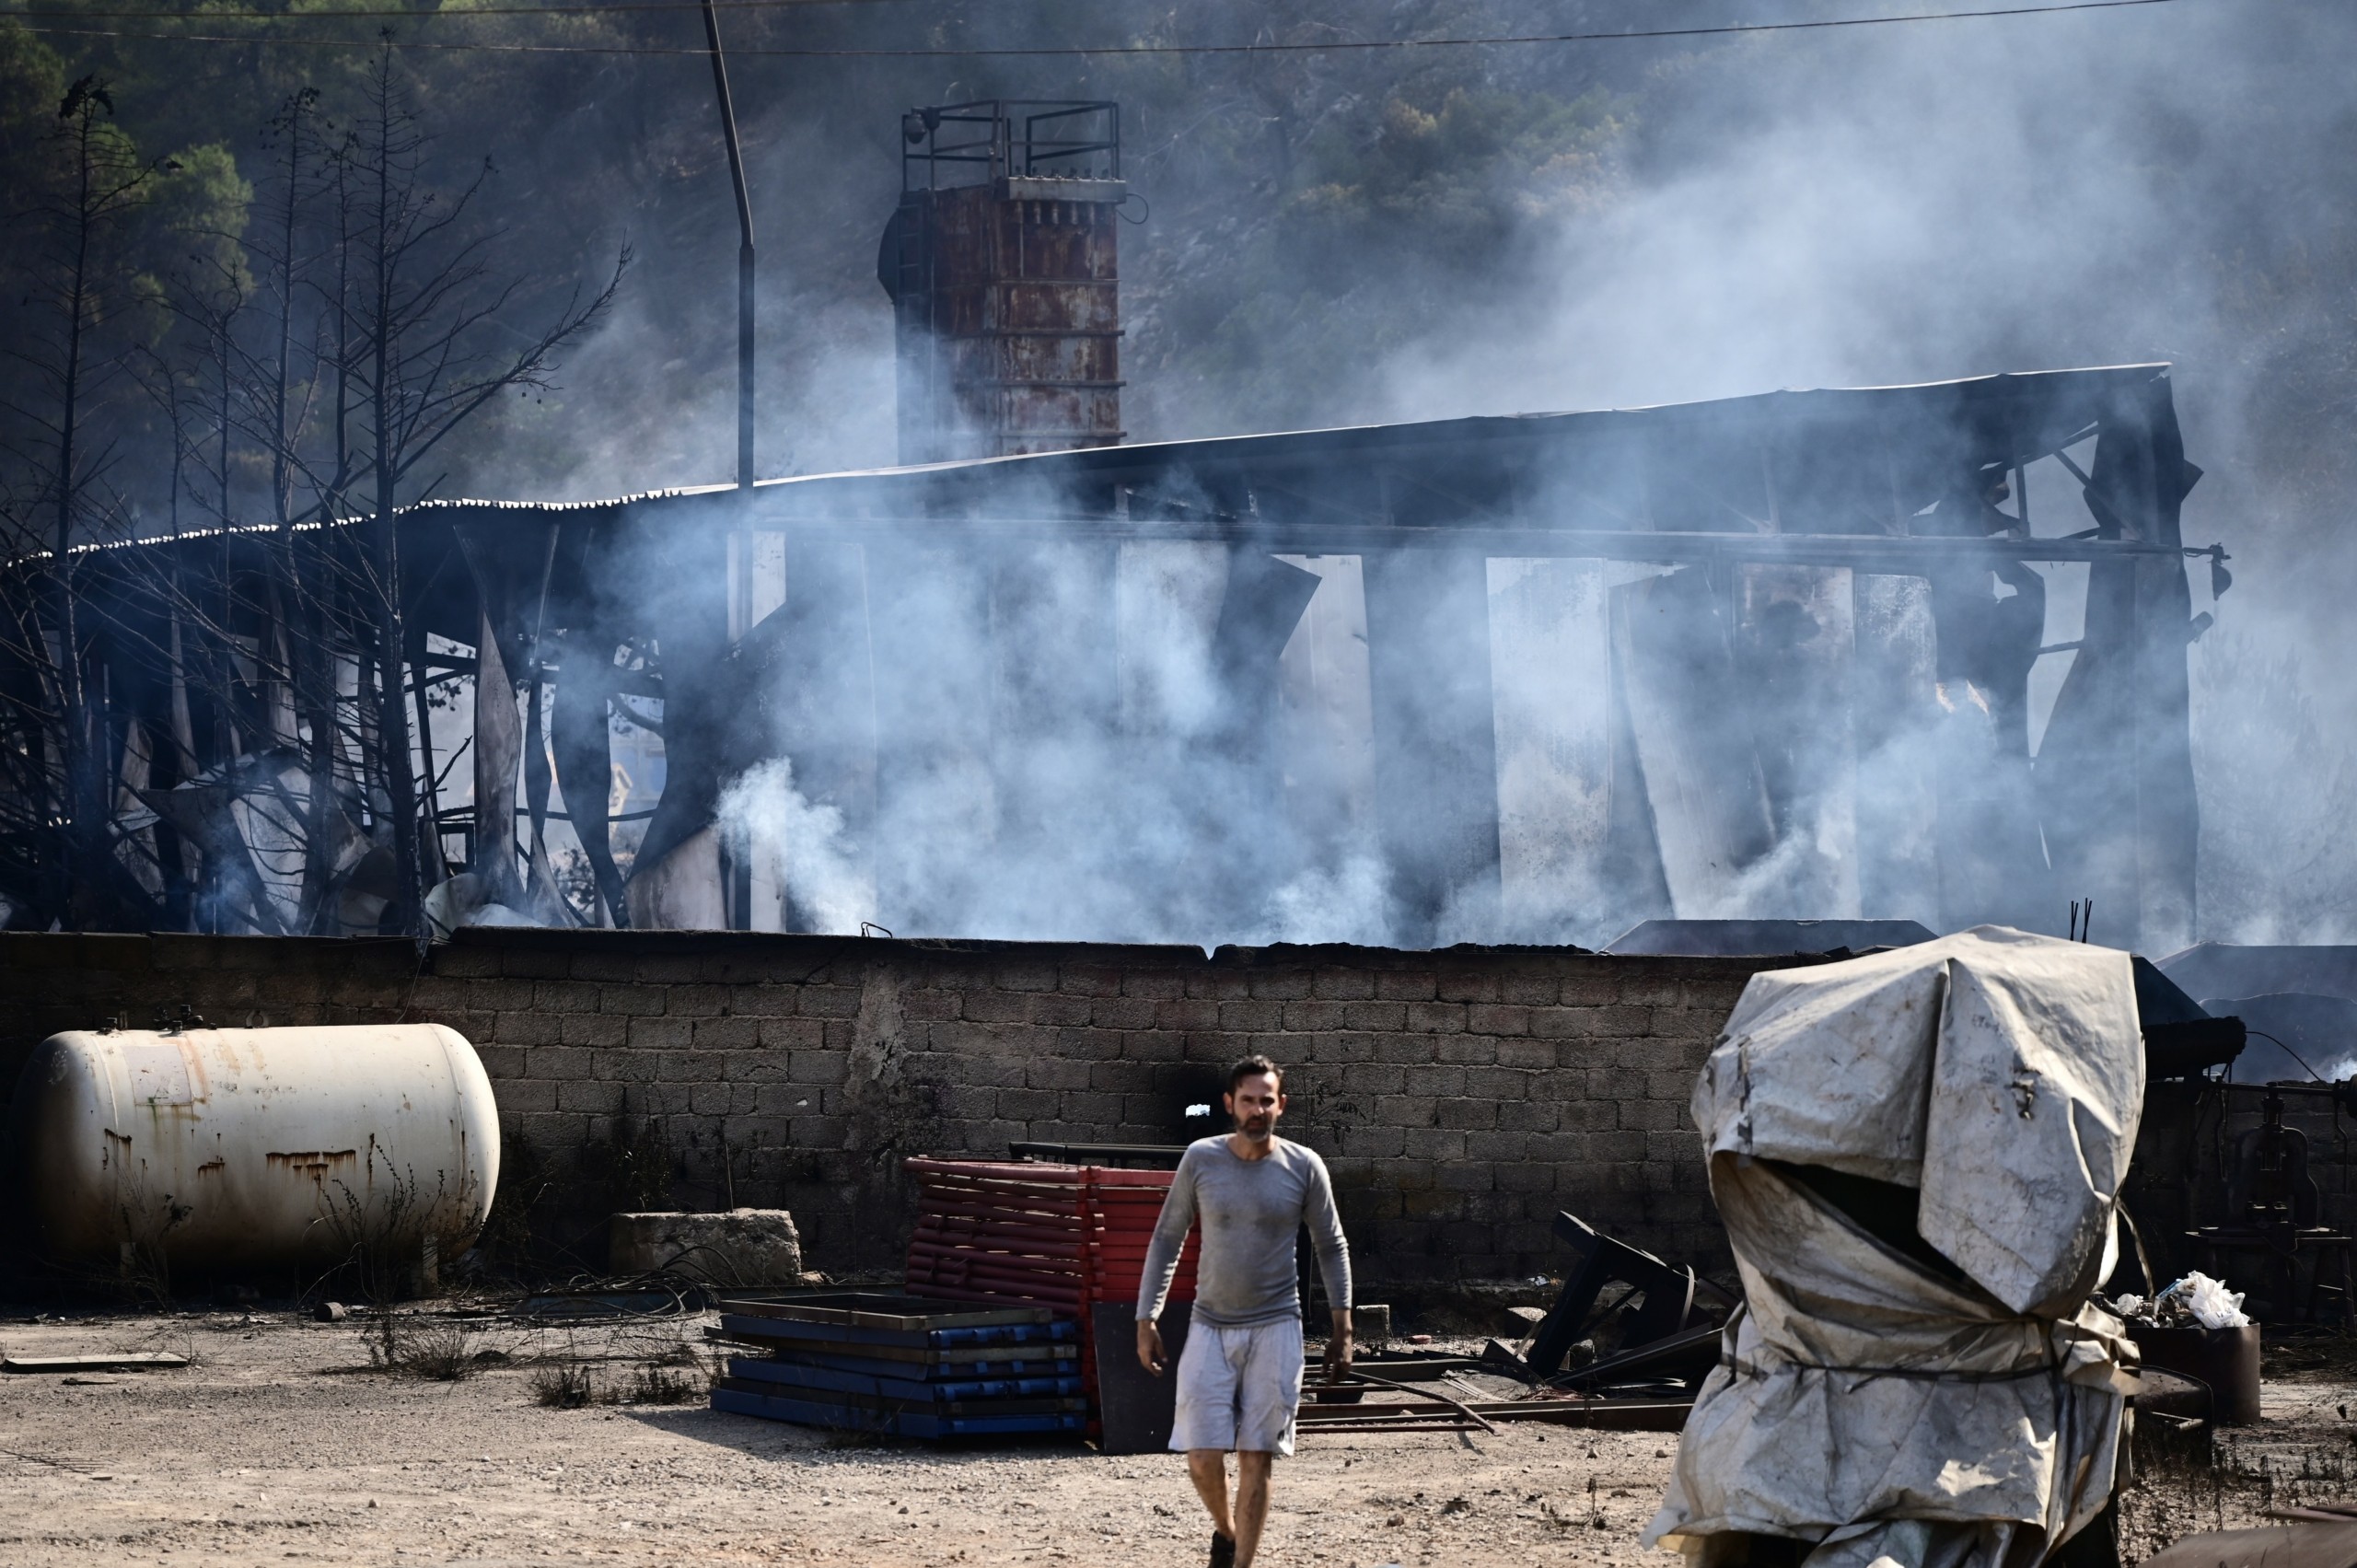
(1739, 657)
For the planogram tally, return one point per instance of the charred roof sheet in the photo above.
(1848, 457)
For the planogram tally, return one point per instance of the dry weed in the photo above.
(564, 1385)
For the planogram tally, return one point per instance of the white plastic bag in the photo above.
(2212, 1303)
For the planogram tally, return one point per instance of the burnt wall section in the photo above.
(1461, 1097)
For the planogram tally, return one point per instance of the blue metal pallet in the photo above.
(896, 1423)
(928, 1390)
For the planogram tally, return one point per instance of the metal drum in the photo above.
(249, 1149)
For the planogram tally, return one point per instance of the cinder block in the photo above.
(1435, 1081)
(1406, 985)
(1496, 1084)
(693, 1066)
(787, 1100)
(1618, 1148)
(1180, 1014)
(727, 1034)
(758, 1066)
(829, 1001)
(1467, 985)
(1028, 1105)
(1336, 984)
(1087, 1106)
(1496, 1146)
(1571, 1149)
(1279, 985)
(1467, 1113)
(661, 1034)
(435, 993)
(1526, 1175)
(593, 1028)
(1647, 987)
(1121, 1077)
(516, 1095)
(497, 996)
(1088, 980)
(1527, 1054)
(634, 1001)
(1057, 1010)
(1567, 1023)
(558, 1063)
(1375, 1018)
(1124, 1013)
(565, 995)
(995, 1007)
(1497, 1018)
(1218, 984)
(1056, 1072)
(1466, 1050)
(697, 1001)
(1463, 1176)
(528, 1028)
(1250, 1017)
(291, 991)
(1530, 1115)
(1435, 1017)
(818, 1067)
(579, 1097)
(1024, 977)
(1670, 1146)
(1530, 987)
(1616, 1084)
(1435, 1143)
(801, 1034)
(624, 1066)
(1374, 1141)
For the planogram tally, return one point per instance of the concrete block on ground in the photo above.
(739, 1247)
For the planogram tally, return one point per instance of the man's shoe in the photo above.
(1223, 1550)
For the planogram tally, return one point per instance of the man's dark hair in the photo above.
(1250, 1065)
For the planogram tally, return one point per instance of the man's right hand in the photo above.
(1150, 1347)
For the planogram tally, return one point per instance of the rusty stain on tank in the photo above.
(316, 1164)
(213, 1168)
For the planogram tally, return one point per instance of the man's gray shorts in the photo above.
(1239, 1389)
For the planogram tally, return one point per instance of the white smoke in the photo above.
(800, 845)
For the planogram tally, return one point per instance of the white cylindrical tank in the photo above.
(240, 1148)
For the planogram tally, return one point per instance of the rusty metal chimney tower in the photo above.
(1002, 265)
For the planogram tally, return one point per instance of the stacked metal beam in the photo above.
(1065, 1237)
(899, 1367)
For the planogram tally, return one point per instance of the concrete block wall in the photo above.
(1461, 1097)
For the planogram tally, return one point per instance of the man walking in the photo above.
(1239, 1377)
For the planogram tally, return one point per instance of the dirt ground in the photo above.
(281, 1442)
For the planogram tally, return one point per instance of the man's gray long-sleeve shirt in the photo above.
(1251, 1212)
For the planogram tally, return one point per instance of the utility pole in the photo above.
(735, 864)
(744, 254)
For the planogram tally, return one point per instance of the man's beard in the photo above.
(1257, 1128)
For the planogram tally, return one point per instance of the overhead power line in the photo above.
(1329, 46)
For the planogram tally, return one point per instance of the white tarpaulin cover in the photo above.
(1892, 1409)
